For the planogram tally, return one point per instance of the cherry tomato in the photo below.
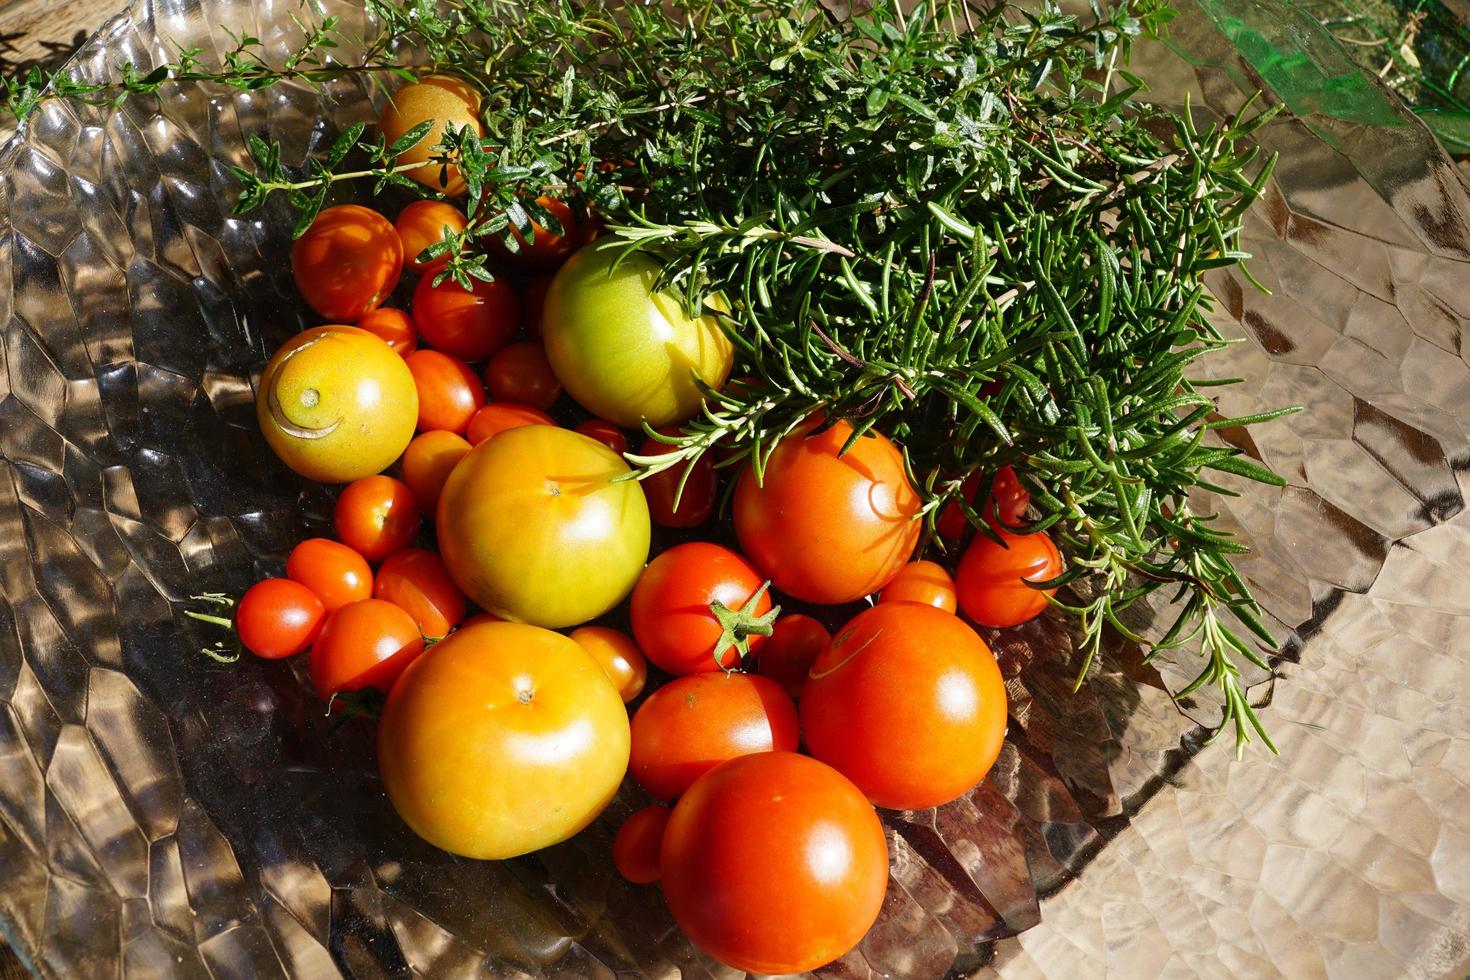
(521, 373)
(427, 463)
(545, 250)
(337, 574)
(278, 618)
(393, 327)
(453, 104)
(375, 516)
(468, 324)
(671, 611)
(922, 581)
(425, 223)
(696, 502)
(606, 433)
(636, 845)
(347, 262)
(450, 392)
(1008, 500)
(618, 656)
(363, 644)
(416, 581)
(498, 417)
(789, 652)
(533, 298)
(774, 863)
(478, 618)
(693, 723)
(992, 580)
(826, 528)
(908, 703)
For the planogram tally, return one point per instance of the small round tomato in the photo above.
(334, 572)
(278, 618)
(1008, 501)
(452, 104)
(416, 581)
(450, 392)
(696, 497)
(363, 644)
(336, 404)
(347, 262)
(693, 723)
(498, 417)
(788, 654)
(908, 703)
(521, 373)
(637, 843)
(679, 602)
(533, 298)
(618, 656)
(427, 463)
(546, 250)
(992, 579)
(774, 863)
(393, 327)
(425, 223)
(922, 581)
(828, 528)
(469, 324)
(375, 516)
(606, 433)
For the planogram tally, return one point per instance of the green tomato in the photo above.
(625, 352)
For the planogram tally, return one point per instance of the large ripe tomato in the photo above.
(673, 619)
(416, 581)
(829, 528)
(637, 844)
(696, 499)
(425, 223)
(427, 463)
(624, 352)
(922, 581)
(521, 373)
(336, 404)
(546, 250)
(788, 654)
(469, 324)
(393, 327)
(334, 572)
(498, 417)
(278, 618)
(774, 863)
(908, 703)
(364, 644)
(618, 656)
(534, 530)
(692, 724)
(502, 739)
(376, 516)
(992, 579)
(450, 392)
(347, 262)
(1008, 500)
(452, 103)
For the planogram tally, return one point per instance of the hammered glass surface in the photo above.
(161, 815)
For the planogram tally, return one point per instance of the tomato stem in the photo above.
(739, 625)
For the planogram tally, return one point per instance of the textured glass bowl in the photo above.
(164, 815)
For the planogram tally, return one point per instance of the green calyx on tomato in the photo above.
(737, 626)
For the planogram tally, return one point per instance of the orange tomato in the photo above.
(922, 581)
(427, 463)
(450, 392)
(533, 297)
(545, 250)
(636, 845)
(337, 574)
(375, 516)
(451, 103)
(618, 656)
(425, 223)
(277, 618)
(992, 579)
(364, 644)
(789, 652)
(469, 324)
(478, 618)
(498, 417)
(416, 581)
(347, 262)
(606, 433)
(521, 373)
(394, 327)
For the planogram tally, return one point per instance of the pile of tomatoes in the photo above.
(499, 733)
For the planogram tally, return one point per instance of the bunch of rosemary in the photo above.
(953, 224)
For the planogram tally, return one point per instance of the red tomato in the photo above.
(826, 528)
(416, 581)
(1008, 500)
(908, 703)
(922, 581)
(692, 724)
(375, 516)
(470, 325)
(532, 299)
(673, 621)
(546, 250)
(606, 433)
(521, 373)
(363, 644)
(337, 574)
(497, 417)
(618, 656)
(427, 463)
(347, 262)
(450, 392)
(789, 653)
(992, 580)
(636, 845)
(774, 863)
(696, 502)
(278, 618)
(425, 223)
(394, 327)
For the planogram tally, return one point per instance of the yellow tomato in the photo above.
(624, 351)
(502, 739)
(533, 529)
(618, 656)
(449, 101)
(337, 404)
